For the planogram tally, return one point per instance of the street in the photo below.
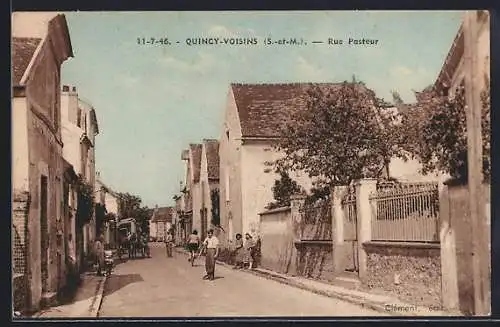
(170, 287)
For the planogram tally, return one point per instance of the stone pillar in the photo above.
(296, 205)
(449, 280)
(364, 187)
(338, 250)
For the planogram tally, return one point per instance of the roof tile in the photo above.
(263, 107)
(212, 149)
(196, 153)
(23, 49)
(162, 214)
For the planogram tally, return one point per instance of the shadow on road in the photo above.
(116, 282)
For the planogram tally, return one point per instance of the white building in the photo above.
(79, 129)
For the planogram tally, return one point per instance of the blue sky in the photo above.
(153, 100)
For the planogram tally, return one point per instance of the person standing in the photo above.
(168, 243)
(99, 254)
(193, 244)
(249, 244)
(211, 244)
(239, 252)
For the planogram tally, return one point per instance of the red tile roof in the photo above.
(23, 49)
(196, 164)
(263, 107)
(162, 214)
(212, 150)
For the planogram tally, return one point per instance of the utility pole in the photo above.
(480, 248)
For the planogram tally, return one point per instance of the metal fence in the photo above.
(350, 214)
(406, 212)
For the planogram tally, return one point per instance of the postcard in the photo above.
(254, 164)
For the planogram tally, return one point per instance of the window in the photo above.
(79, 117)
(227, 183)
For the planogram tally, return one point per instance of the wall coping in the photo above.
(271, 211)
(410, 245)
(318, 242)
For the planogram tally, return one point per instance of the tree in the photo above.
(437, 132)
(283, 189)
(85, 201)
(343, 134)
(100, 217)
(130, 206)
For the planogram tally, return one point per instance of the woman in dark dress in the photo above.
(239, 252)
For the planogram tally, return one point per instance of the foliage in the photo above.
(343, 135)
(215, 198)
(100, 217)
(85, 202)
(318, 193)
(130, 206)
(283, 189)
(437, 132)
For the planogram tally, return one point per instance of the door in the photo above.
(350, 232)
(203, 214)
(44, 232)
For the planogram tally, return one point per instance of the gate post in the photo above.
(338, 246)
(296, 204)
(364, 187)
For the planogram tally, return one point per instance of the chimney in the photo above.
(65, 88)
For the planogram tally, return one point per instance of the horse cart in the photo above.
(130, 238)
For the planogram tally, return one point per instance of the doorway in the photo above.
(44, 232)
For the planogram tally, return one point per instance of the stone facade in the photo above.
(411, 272)
(37, 155)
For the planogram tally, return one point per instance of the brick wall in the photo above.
(410, 271)
(20, 217)
(20, 208)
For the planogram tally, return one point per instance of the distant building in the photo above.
(107, 198)
(161, 222)
(209, 186)
(79, 129)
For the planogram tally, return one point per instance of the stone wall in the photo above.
(315, 260)
(409, 271)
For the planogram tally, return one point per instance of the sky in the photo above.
(153, 100)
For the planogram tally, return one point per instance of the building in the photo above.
(161, 222)
(177, 221)
(192, 188)
(452, 72)
(108, 200)
(79, 129)
(40, 45)
(72, 252)
(253, 114)
(209, 186)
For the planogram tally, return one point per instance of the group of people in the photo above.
(245, 253)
